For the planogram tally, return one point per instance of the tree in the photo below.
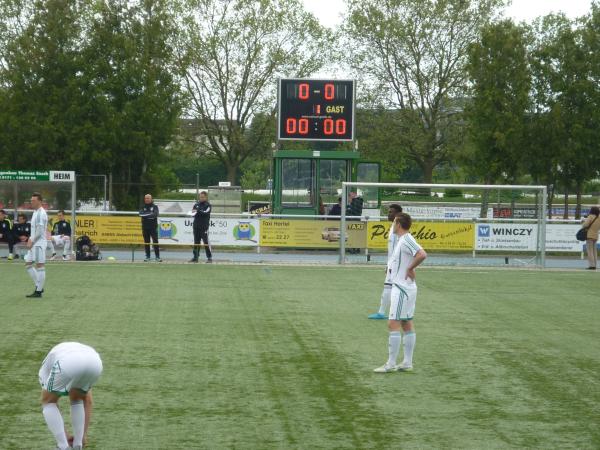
(566, 67)
(411, 55)
(231, 53)
(501, 81)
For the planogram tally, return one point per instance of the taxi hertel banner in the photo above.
(171, 230)
(431, 235)
(310, 233)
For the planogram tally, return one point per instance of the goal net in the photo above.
(457, 224)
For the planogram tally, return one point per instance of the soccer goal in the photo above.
(456, 223)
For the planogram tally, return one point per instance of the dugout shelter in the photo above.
(58, 189)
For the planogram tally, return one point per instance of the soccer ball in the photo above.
(111, 258)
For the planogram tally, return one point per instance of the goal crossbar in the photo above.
(542, 206)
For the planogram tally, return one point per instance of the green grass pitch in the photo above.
(253, 357)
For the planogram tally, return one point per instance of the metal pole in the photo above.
(73, 214)
(343, 226)
(543, 227)
(110, 190)
(197, 184)
(104, 200)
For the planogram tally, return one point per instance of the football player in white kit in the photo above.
(37, 246)
(60, 237)
(408, 254)
(384, 304)
(70, 369)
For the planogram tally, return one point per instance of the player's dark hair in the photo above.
(2, 211)
(404, 220)
(61, 211)
(22, 215)
(38, 195)
(396, 207)
(595, 210)
(204, 193)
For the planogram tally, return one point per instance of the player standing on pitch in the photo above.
(408, 254)
(384, 305)
(70, 369)
(37, 246)
(201, 213)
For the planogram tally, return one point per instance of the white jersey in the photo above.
(404, 255)
(392, 239)
(39, 226)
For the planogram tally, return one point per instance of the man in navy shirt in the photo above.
(149, 215)
(201, 213)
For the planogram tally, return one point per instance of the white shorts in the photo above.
(402, 305)
(77, 370)
(36, 254)
(60, 241)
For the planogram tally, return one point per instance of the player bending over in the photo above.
(384, 305)
(408, 254)
(37, 246)
(70, 369)
(61, 237)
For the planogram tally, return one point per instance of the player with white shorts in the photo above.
(70, 369)
(60, 237)
(384, 303)
(408, 254)
(37, 244)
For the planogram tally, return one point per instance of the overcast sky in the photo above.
(329, 11)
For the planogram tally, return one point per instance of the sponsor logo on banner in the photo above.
(506, 237)
(128, 230)
(430, 235)
(445, 212)
(310, 233)
(63, 176)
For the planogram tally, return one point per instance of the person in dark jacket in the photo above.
(149, 215)
(6, 233)
(22, 230)
(336, 210)
(201, 212)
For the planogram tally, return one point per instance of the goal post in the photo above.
(540, 207)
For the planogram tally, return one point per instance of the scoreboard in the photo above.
(316, 110)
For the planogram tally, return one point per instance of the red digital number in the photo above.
(303, 126)
(328, 126)
(290, 126)
(340, 126)
(329, 91)
(303, 91)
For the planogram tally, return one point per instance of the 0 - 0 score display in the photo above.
(316, 110)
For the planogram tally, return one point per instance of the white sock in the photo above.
(78, 419)
(33, 274)
(410, 339)
(41, 278)
(67, 248)
(394, 342)
(55, 424)
(51, 247)
(386, 296)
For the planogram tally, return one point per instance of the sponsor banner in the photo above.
(430, 235)
(310, 233)
(259, 208)
(110, 229)
(222, 231)
(445, 212)
(517, 213)
(62, 176)
(523, 237)
(561, 238)
(173, 230)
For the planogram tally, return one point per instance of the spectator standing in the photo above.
(592, 223)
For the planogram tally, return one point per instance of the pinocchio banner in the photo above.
(431, 235)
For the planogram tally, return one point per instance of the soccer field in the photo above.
(255, 357)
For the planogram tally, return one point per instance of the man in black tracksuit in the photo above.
(149, 215)
(201, 213)
(6, 233)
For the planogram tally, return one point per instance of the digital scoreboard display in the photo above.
(316, 110)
